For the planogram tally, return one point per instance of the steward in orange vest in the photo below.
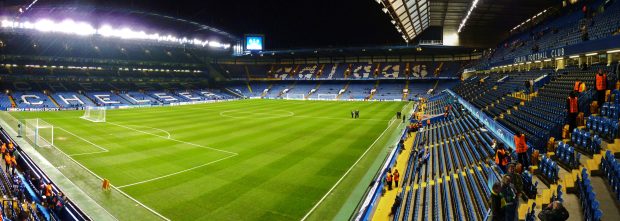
(601, 87)
(579, 86)
(572, 106)
(521, 149)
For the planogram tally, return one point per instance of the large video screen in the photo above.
(254, 42)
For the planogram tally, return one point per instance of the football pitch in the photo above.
(237, 160)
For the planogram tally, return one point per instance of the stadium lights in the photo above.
(614, 51)
(528, 20)
(69, 26)
(473, 5)
(574, 56)
(591, 54)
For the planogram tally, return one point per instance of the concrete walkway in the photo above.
(72, 191)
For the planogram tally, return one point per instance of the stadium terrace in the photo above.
(432, 110)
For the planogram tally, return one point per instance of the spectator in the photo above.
(515, 178)
(497, 203)
(555, 211)
(510, 197)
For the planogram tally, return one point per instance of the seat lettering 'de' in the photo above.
(31, 99)
(72, 98)
(165, 97)
(105, 98)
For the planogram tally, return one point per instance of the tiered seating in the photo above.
(529, 186)
(561, 31)
(548, 169)
(68, 100)
(36, 100)
(603, 126)
(448, 176)
(587, 197)
(585, 142)
(611, 171)
(566, 156)
(5, 102)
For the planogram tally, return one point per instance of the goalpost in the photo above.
(327, 96)
(295, 96)
(94, 114)
(39, 132)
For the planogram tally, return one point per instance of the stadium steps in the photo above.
(247, 74)
(438, 69)
(233, 92)
(320, 71)
(406, 95)
(373, 93)
(249, 87)
(262, 95)
(346, 87)
(316, 88)
(53, 100)
(89, 98)
(13, 104)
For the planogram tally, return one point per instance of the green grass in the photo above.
(242, 160)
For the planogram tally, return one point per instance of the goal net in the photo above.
(39, 132)
(94, 114)
(327, 96)
(295, 96)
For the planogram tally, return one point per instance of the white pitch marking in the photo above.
(175, 173)
(180, 141)
(346, 173)
(103, 150)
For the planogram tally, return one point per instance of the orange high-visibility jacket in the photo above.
(573, 105)
(601, 82)
(520, 144)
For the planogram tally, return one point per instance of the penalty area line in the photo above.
(175, 173)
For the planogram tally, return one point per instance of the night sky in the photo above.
(287, 24)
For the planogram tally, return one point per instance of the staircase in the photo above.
(247, 73)
(438, 70)
(233, 92)
(249, 87)
(89, 98)
(265, 92)
(53, 100)
(13, 104)
(316, 88)
(406, 95)
(320, 71)
(372, 94)
(346, 87)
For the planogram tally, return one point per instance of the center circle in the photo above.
(250, 114)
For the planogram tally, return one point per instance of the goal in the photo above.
(327, 96)
(39, 132)
(94, 114)
(295, 96)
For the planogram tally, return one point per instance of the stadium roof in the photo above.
(488, 16)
